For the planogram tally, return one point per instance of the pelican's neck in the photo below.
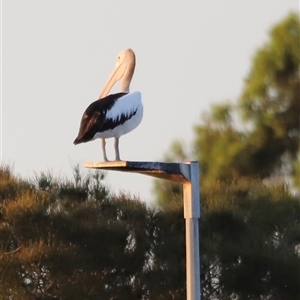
(125, 86)
(126, 80)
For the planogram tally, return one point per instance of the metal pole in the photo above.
(187, 174)
(191, 203)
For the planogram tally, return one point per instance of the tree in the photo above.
(71, 239)
(270, 99)
(267, 145)
(250, 239)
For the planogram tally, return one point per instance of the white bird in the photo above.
(114, 115)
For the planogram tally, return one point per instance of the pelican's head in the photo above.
(124, 68)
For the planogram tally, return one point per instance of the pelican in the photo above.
(112, 116)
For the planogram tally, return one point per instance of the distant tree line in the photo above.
(72, 239)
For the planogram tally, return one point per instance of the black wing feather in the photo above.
(93, 118)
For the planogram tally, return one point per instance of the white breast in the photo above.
(125, 105)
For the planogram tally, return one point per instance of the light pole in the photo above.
(187, 174)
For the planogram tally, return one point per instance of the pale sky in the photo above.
(57, 56)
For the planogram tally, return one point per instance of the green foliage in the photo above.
(267, 143)
(71, 239)
(11, 186)
(59, 246)
(246, 229)
(296, 171)
(270, 106)
(218, 146)
(270, 100)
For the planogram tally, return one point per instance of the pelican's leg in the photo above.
(117, 149)
(104, 149)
